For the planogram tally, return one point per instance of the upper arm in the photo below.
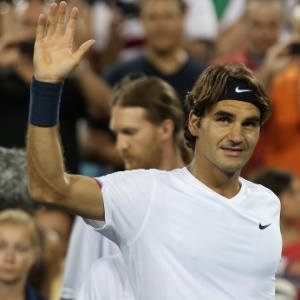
(83, 197)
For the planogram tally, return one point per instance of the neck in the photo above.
(14, 291)
(225, 184)
(171, 159)
(168, 62)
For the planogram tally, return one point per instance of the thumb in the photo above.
(83, 49)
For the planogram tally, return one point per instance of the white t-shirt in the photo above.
(107, 280)
(85, 247)
(181, 240)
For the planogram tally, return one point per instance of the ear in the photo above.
(167, 129)
(193, 123)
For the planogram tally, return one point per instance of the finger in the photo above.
(83, 49)
(40, 29)
(51, 19)
(71, 26)
(61, 18)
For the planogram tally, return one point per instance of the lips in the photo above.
(232, 151)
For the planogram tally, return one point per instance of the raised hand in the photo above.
(54, 58)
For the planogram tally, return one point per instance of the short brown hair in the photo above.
(213, 82)
(157, 97)
(160, 101)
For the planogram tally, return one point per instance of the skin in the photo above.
(138, 141)
(48, 182)
(53, 61)
(17, 254)
(55, 222)
(264, 23)
(226, 138)
(163, 23)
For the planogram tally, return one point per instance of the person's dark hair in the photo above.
(212, 83)
(13, 179)
(157, 97)
(274, 179)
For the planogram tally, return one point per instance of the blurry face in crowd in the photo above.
(227, 135)
(264, 23)
(290, 202)
(27, 15)
(17, 253)
(163, 24)
(138, 141)
(56, 225)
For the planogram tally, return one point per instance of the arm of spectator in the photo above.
(111, 52)
(277, 58)
(95, 90)
(54, 60)
(99, 147)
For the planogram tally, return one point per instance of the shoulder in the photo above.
(117, 71)
(32, 294)
(258, 189)
(138, 178)
(196, 65)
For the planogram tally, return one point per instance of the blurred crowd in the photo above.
(175, 41)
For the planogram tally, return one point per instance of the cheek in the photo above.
(25, 262)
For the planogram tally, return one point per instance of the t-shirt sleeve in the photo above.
(127, 200)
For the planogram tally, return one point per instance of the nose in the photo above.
(9, 255)
(121, 142)
(235, 134)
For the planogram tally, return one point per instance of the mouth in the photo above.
(233, 152)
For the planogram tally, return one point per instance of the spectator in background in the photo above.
(231, 18)
(84, 92)
(13, 180)
(282, 133)
(55, 224)
(165, 57)
(264, 21)
(141, 110)
(120, 35)
(20, 248)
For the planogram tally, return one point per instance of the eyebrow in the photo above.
(224, 113)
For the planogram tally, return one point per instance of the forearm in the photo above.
(96, 92)
(45, 159)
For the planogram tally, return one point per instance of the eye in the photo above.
(253, 124)
(225, 120)
(130, 131)
(22, 249)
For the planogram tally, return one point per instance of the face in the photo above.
(27, 15)
(163, 24)
(17, 253)
(56, 225)
(290, 202)
(226, 136)
(264, 24)
(138, 141)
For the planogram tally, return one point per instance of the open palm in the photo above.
(54, 58)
